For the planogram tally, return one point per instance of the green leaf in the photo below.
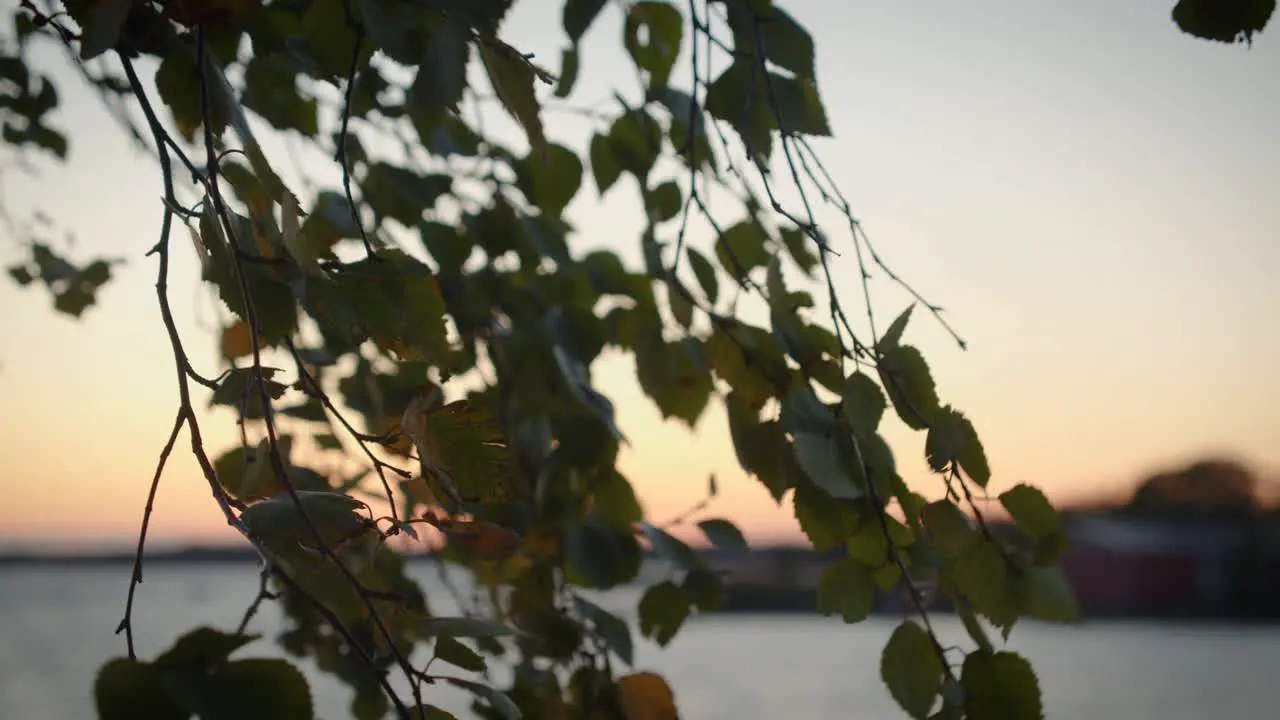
(101, 26)
(663, 202)
(671, 548)
(910, 387)
(742, 248)
(825, 521)
(948, 526)
(615, 501)
(846, 588)
(797, 105)
(705, 588)
(982, 576)
(569, 62)
(1000, 686)
(1032, 511)
(402, 194)
(892, 336)
(868, 544)
(279, 523)
(797, 243)
(330, 37)
(762, 448)
(652, 35)
(132, 690)
(612, 629)
(705, 272)
(578, 16)
(258, 689)
(513, 81)
(498, 700)
(1045, 594)
(460, 627)
(663, 609)
(605, 166)
(675, 375)
(21, 275)
(178, 82)
(550, 180)
(242, 389)
(742, 367)
(952, 441)
(202, 648)
(442, 73)
(399, 32)
(681, 308)
(270, 89)
(723, 534)
(823, 460)
(862, 404)
(787, 44)
(911, 670)
(455, 653)
(636, 139)
(600, 555)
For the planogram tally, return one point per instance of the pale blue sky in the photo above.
(1090, 194)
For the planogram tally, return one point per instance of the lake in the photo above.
(56, 628)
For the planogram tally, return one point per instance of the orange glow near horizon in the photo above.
(1094, 206)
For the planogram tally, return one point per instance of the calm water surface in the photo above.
(56, 628)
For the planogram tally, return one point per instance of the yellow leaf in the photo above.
(646, 696)
(237, 341)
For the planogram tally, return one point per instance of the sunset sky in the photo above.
(1090, 194)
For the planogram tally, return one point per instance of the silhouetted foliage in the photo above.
(435, 317)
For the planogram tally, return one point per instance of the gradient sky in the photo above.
(1091, 194)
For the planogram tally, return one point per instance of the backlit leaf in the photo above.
(1032, 511)
(910, 387)
(723, 534)
(578, 16)
(862, 404)
(742, 249)
(652, 35)
(982, 576)
(1000, 686)
(706, 274)
(948, 526)
(128, 689)
(455, 653)
(1046, 594)
(513, 81)
(846, 589)
(258, 689)
(911, 670)
(552, 179)
(280, 523)
(952, 440)
(663, 609)
(825, 521)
